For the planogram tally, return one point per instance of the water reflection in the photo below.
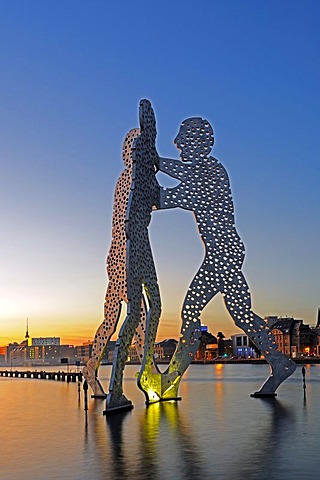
(168, 443)
(217, 432)
(169, 447)
(118, 465)
(262, 456)
(98, 461)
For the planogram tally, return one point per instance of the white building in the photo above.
(241, 346)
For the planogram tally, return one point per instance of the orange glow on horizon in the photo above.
(76, 329)
(69, 337)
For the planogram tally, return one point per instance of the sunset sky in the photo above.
(72, 75)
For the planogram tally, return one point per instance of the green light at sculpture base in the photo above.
(159, 387)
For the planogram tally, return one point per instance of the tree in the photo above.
(205, 339)
(220, 338)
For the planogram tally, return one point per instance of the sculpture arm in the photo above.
(174, 168)
(167, 200)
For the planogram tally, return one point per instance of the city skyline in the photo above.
(72, 78)
(236, 331)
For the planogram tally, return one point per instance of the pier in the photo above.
(42, 375)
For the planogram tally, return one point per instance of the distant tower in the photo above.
(27, 332)
(318, 320)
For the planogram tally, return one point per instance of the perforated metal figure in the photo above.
(141, 273)
(204, 188)
(116, 292)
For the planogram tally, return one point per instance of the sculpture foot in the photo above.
(99, 395)
(263, 395)
(282, 368)
(89, 374)
(170, 386)
(159, 387)
(117, 404)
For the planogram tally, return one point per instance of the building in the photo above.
(133, 354)
(286, 334)
(83, 352)
(53, 354)
(35, 355)
(158, 350)
(109, 352)
(242, 346)
(22, 354)
(308, 340)
(2, 355)
(164, 350)
(208, 347)
(294, 338)
(15, 354)
(316, 329)
(36, 342)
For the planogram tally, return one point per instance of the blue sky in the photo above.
(72, 75)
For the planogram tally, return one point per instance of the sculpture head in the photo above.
(195, 139)
(127, 146)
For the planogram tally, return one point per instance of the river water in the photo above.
(217, 431)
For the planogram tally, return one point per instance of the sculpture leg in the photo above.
(112, 309)
(149, 377)
(238, 302)
(199, 294)
(281, 367)
(140, 334)
(101, 340)
(155, 385)
(116, 400)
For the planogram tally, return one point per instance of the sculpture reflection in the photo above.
(162, 428)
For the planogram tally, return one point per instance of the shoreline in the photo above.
(240, 361)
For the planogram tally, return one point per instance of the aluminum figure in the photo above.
(204, 188)
(116, 293)
(141, 273)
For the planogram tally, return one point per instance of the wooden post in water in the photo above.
(303, 371)
(85, 391)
